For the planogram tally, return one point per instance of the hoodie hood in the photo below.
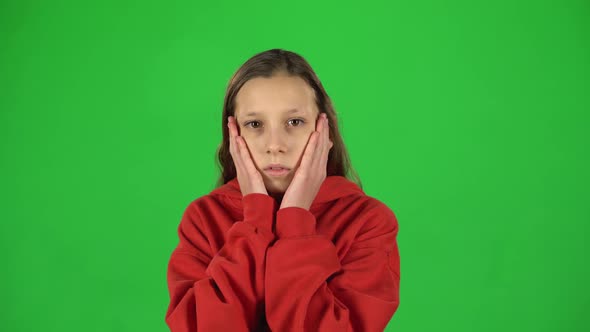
(333, 188)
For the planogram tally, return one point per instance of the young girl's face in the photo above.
(276, 116)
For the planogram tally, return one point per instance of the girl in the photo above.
(286, 242)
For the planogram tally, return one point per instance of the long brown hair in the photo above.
(266, 64)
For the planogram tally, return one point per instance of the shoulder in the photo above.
(194, 230)
(209, 203)
(369, 208)
(191, 214)
(199, 208)
(377, 222)
(193, 207)
(211, 212)
(378, 213)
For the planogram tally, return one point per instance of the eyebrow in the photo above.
(291, 111)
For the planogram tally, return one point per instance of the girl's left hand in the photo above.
(311, 173)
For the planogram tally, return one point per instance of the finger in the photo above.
(327, 146)
(246, 157)
(306, 159)
(321, 144)
(232, 145)
(327, 136)
(235, 147)
(318, 124)
(311, 159)
(245, 161)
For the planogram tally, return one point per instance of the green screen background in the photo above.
(469, 120)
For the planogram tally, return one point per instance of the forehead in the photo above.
(275, 95)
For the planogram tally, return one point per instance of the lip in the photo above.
(275, 166)
(277, 172)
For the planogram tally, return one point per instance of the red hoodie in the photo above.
(244, 265)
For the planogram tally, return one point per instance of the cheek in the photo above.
(301, 144)
(252, 144)
(304, 139)
(297, 142)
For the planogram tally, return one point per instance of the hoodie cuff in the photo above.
(295, 221)
(259, 210)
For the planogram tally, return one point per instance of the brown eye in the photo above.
(248, 123)
(299, 121)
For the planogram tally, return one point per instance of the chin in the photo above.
(276, 186)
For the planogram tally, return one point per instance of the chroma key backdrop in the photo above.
(468, 119)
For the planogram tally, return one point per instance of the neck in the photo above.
(278, 197)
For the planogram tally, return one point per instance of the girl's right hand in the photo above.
(249, 178)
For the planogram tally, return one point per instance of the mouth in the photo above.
(277, 170)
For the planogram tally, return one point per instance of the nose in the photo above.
(276, 140)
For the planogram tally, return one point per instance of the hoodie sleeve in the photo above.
(308, 288)
(220, 291)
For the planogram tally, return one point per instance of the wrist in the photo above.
(285, 205)
(295, 221)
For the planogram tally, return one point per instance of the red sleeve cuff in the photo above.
(295, 221)
(259, 210)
